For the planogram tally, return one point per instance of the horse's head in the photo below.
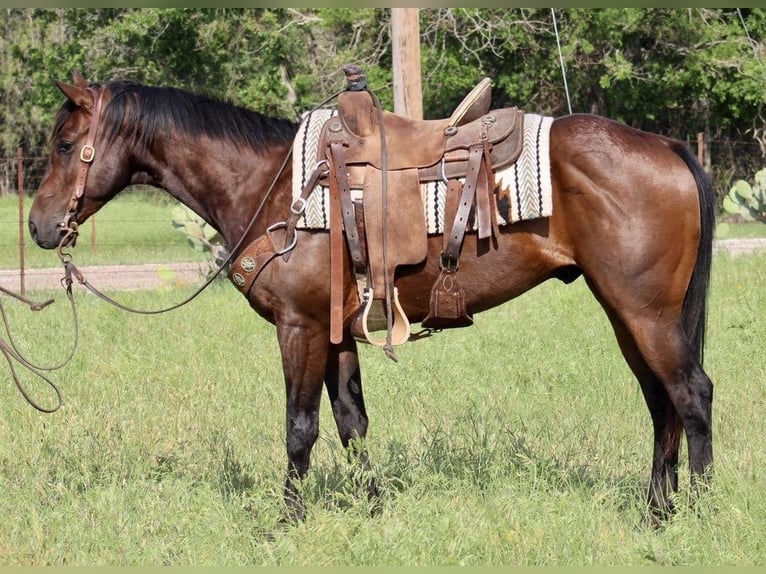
(80, 176)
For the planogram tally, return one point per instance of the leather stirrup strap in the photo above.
(340, 176)
(336, 263)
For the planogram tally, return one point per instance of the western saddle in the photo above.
(373, 162)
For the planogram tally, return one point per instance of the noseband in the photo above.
(87, 154)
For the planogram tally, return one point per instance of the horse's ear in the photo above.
(79, 95)
(79, 79)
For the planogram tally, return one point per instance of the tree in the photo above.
(674, 71)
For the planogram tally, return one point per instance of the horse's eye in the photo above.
(64, 146)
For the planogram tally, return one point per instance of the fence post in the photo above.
(700, 148)
(20, 194)
(93, 245)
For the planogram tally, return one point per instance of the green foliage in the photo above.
(672, 70)
(200, 235)
(748, 201)
(675, 71)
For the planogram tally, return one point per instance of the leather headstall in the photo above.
(87, 155)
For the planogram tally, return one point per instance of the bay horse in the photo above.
(633, 215)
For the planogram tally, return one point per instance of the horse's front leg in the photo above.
(304, 346)
(343, 379)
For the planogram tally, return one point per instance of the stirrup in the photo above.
(372, 317)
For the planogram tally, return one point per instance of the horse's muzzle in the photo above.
(46, 241)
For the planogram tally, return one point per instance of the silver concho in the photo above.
(238, 279)
(247, 264)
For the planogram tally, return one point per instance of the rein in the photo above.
(11, 352)
(69, 224)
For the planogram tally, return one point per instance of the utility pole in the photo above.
(405, 50)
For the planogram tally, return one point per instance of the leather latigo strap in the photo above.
(298, 208)
(483, 192)
(491, 191)
(475, 186)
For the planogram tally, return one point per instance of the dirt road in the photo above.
(111, 277)
(152, 276)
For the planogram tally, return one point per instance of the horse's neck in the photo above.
(226, 186)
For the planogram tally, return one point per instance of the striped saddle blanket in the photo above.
(523, 188)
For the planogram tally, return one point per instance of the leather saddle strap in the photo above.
(359, 217)
(340, 176)
(452, 251)
(483, 209)
(491, 184)
(451, 197)
(336, 263)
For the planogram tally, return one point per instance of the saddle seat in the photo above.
(438, 149)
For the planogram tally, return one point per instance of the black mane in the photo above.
(147, 112)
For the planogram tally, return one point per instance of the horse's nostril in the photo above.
(33, 231)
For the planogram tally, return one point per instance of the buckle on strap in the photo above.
(298, 206)
(90, 150)
(448, 262)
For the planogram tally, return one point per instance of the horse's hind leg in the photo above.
(343, 380)
(670, 357)
(678, 393)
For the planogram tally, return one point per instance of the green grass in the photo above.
(523, 440)
(748, 230)
(135, 227)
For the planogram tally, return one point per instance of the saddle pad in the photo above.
(524, 188)
(305, 157)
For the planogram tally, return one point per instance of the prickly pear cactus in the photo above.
(748, 201)
(201, 235)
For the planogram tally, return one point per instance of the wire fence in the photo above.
(25, 174)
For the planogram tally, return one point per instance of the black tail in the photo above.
(694, 314)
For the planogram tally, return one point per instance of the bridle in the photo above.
(69, 226)
(87, 155)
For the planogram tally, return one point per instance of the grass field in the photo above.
(132, 228)
(523, 440)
